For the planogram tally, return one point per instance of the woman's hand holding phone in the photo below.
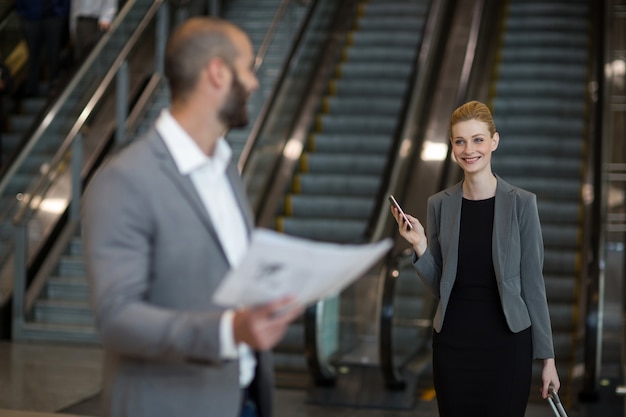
(394, 203)
(410, 228)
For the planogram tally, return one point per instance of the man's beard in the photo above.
(234, 112)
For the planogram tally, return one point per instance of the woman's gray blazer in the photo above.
(517, 252)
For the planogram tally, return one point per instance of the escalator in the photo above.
(330, 192)
(333, 192)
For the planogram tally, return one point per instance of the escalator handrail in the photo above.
(391, 374)
(48, 178)
(269, 35)
(261, 119)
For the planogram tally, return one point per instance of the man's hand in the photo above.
(263, 327)
(104, 26)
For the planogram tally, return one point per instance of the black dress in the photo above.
(480, 367)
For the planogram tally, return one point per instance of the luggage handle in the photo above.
(555, 403)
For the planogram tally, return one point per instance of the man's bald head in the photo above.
(192, 46)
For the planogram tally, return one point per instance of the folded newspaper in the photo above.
(277, 265)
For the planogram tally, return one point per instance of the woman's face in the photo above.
(472, 145)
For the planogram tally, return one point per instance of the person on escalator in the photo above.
(43, 23)
(482, 257)
(163, 222)
(89, 20)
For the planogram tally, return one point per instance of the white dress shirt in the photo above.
(208, 175)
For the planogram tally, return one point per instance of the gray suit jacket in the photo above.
(153, 262)
(517, 254)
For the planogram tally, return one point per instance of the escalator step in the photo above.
(546, 39)
(560, 236)
(338, 105)
(539, 23)
(560, 289)
(391, 23)
(302, 205)
(561, 189)
(556, 71)
(560, 261)
(539, 54)
(332, 185)
(553, 9)
(391, 54)
(380, 88)
(323, 163)
(559, 212)
(540, 87)
(546, 145)
(330, 230)
(546, 125)
(545, 106)
(355, 70)
(330, 123)
(538, 166)
(365, 143)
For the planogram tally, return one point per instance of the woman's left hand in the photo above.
(549, 376)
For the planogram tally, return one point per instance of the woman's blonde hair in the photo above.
(473, 110)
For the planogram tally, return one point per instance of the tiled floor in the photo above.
(43, 380)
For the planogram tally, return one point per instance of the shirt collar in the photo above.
(187, 155)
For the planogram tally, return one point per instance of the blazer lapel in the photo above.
(240, 195)
(450, 230)
(184, 185)
(502, 222)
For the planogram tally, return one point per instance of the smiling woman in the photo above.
(482, 257)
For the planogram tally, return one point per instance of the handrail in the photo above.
(261, 119)
(267, 40)
(93, 102)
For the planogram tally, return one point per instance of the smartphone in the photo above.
(393, 201)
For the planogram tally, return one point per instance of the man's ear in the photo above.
(217, 72)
